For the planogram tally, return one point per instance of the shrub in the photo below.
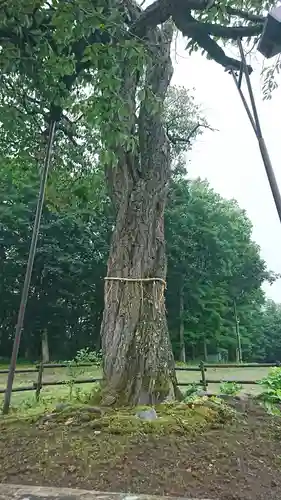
(191, 392)
(271, 395)
(230, 388)
(76, 369)
(87, 356)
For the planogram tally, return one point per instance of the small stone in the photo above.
(84, 417)
(47, 417)
(202, 393)
(147, 414)
(225, 397)
(61, 406)
(69, 421)
(92, 409)
(97, 424)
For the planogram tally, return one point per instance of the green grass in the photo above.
(60, 393)
(231, 374)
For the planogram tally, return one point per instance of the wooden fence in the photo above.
(202, 368)
(39, 384)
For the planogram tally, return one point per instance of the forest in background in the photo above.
(214, 266)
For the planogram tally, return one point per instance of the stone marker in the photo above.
(149, 414)
(14, 492)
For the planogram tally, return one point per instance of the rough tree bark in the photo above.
(45, 347)
(138, 359)
(205, 349)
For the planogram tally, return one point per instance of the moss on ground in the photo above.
(94, 436)
(182, 453)
(69, 440)
(173, 418)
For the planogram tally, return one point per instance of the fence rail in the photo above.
(26, 370)
(202, 368)
(241, 365)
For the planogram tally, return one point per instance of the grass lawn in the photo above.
(61, 392)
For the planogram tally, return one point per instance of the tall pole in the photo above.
(29, 268)
(238, 336)
(181, 332)
(255, 122)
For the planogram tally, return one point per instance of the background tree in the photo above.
(65, 299)
(212, 262)
(266, 335)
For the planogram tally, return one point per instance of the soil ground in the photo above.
(238, 460)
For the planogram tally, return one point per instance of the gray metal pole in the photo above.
(29, 268)
(270, 175)
(257, 128)
(248, 111)
(238, 337)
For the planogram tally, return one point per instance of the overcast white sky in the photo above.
(230, 158)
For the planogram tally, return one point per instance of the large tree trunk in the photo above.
(138, 359)
(45, 347)
(193, 356)
(205, 349)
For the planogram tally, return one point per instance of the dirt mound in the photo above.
(227, 458)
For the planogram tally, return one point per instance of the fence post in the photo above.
(203, 375)
(39, 381)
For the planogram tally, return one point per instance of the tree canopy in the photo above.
(51, 51)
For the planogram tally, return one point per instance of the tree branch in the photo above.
(227, 32)
(154, 14)
(160, 11)
(245, 15)
(186, 140)
(200, 33)
(68, 134)
(141, 21)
